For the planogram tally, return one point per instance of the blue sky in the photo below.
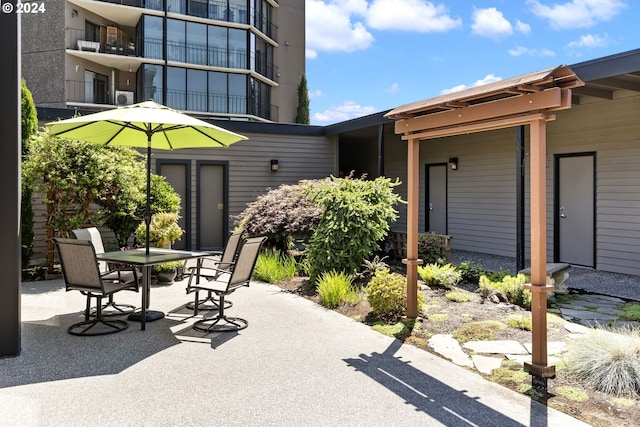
(366, 56)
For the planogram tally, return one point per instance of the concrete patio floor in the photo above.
(297, 364)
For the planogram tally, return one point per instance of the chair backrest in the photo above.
(231, 247)
(79, 264)
(92, 234)
(246, 262)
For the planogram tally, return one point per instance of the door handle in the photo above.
(430, 206)
(562, 214)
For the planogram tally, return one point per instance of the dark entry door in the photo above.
(177, 174)
(436, 198)
(575, 209)
(212, 208)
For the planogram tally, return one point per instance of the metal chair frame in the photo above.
(239, 277)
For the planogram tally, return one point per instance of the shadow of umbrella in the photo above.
(50, 354)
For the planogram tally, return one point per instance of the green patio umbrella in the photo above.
(144, 125)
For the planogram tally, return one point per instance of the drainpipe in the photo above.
(520, 252)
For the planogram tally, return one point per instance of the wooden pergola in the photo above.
(524, 100)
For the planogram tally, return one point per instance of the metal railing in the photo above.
(90, 92)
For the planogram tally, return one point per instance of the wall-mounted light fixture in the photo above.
(74, 13)
(274, 165)
(453, 163)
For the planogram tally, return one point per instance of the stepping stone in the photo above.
(553, 347)
(522, 358)
(586, 315)
(486, 364)
(448, 347)
(496, 347)
(603, 299)
(610, 310)
(627, 324)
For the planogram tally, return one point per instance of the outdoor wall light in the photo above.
(453, 163)
(274, 165)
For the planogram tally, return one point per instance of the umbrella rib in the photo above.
(210, 137)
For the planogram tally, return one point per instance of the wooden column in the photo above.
(538, 286)
(412, 261)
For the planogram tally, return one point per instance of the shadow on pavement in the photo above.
(449, 406)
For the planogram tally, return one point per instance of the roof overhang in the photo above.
(501, 104)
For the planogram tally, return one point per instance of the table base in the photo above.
(150, 317)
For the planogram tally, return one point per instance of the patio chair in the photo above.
(211, 268)
(226, 283)
(81, 273)
(128, 275)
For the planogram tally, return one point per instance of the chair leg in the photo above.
(85, 328)
(231, 324)
(116, 309)
(201, 304)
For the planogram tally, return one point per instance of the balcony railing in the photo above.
(122, 42)
(95, 92)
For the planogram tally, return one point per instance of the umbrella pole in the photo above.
(147, 209)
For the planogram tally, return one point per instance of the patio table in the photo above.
(138, 257)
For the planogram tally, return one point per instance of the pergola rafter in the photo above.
(522, 100)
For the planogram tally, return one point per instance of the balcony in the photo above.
(96, 92)
(113, 40)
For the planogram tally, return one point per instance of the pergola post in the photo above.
(412, 261)
(538, 152)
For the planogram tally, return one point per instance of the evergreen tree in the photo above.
(29, 128)
(302, 115)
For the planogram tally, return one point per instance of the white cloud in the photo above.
(329, 27)
(523, 27)
(590, 40)
(522, 51)
(490, 23)
(346, 111)
(410, 15)
(316, 94)
(577, 13)
(343, 25)
(393, 88)
(489, 78)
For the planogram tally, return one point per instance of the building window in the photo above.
(177, 88)
(237, 48)
(217, 37)
(218, 92)
(152, 78)
(153, 35)
(237, 94)
(196, 43)
(176, 40)
(196, 90)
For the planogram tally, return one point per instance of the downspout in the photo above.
(520, 248)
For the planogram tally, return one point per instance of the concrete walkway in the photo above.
(297, 364)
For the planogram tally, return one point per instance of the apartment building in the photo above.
(223, 59)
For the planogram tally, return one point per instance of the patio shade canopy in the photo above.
(524, 100)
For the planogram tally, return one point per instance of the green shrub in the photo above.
(497, 276)
(281, 213)
(470, 271)
(387, 294)
(369, 268)
(519, 322)
(335, 288)
(511, 288)
(607, 359)
(439, 275)
(354, 222)
(458, 296)
(431, 247)
(273, 267)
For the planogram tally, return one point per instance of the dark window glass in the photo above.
(237, 48)
(152, 37)
(177, 88)
(196, 90)
(237, 94)
(198, 8)
(152, 82)
(218, 92)
(176, 40)
(196, 43)
(217, 37)
(177, 6)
